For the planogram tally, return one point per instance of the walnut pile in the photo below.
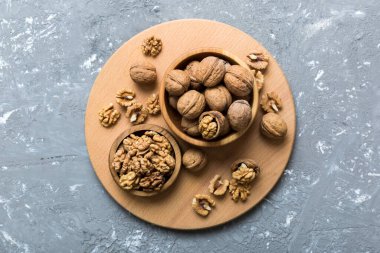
(257, 60)
(271, 102)
(202, 204)
(144, 163)
(218, 186)
(153, 104)
(108, 116)
(151, 46)
(137, 113)
(124, 97)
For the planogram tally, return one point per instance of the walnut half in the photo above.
(271, 102)
(137, 113)
(202, 204)
(124, 97)
(108, 116)
(238, 191)
(218, 186)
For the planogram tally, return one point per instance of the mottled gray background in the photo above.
(50, 199)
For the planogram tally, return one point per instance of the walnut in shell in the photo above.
(124, 97)
(244, 171)
(213, 124)
(108, 116)
(143, 73)
(173, 101)
(257, 60)
(195, 80)
(218, 98)
(273, 126)
(239, 80)
(239, 115)
(190, 127)
(194, 159)
(211, 71)
(271, 102)
(177, 82)
(137, 113)
(191, 104)
(202, 204)
(218, 186)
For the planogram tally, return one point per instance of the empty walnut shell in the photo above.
(273, 126)
(191, 104)
(195, 79)
(194, 159)
(143, 73)
(239, 115)
(218, 98)
(239, 80)
(190, 126)
(211, 70)
(177, 82)
(213, 124)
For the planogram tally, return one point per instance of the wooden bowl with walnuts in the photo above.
(209, 97)
(145, 160)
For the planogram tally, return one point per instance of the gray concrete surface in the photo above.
(50, 199)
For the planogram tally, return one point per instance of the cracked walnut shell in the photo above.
(202, 204)
(124, 97)
(239, 115)
(213, 124)
(194, 159)
(271, 102)
(153, 104)
(273, 126)
(143, 73)
(244, 171)
(239, 80)
(257, 60)
(151, 46)
(177, 82)
(211, 70)
(218, 98)
(137, 113)
(218, 186)
(108, 116)
(191, 104)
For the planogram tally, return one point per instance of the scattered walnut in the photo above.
(218, 186)
(108, 116)
(190, 126)
(151, 46)
(245, 171)
(137, 113)
(239, 115)
(143, 73)
(213, 124)
(191, 104)
(238, 191)
(271, 102)
(273, 126)
(202, 204)
(177, 82)
(124, 97)
(258, 60)
(259, 79)
(153, 104)
(194, 159)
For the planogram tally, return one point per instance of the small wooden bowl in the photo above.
(173, 118)
(143, 128)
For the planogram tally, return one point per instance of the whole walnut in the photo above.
(194, 159)
(177, 82)
(239, 80)
(190, 126)
(218, 98)
(195, 79)
(143, 73)
(213, 124)
(191, 104)
(239, 115)
(211, 71)
(173, 101)
(273, 126)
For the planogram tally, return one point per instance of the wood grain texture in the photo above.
(172, 208)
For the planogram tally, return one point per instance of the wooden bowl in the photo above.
(137, 130)
(173, 118)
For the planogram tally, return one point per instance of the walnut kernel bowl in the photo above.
(139, 130)
(173, 118)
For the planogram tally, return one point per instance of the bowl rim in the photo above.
(146, 127)
(163, 96)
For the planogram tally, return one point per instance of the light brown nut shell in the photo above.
(211, 70)
(173, 101)
(177, 82)
(143, 73)
(239, 115)
(218, 98)
(194, 159)
(191, 104)
(239, 80)
(190, 127)
(248, 162)
(273, 126)
(192, 70)
(222, 125)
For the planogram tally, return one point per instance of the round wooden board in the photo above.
(172, 209)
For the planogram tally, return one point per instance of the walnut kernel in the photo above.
(213, 124)
(238, 191)
(245, 171)
(218, 186)
(271, 102)
(257, 60)
(108, 116)
(259, 80)
(153, 104)
(137, 113)
(151, 46)
(202, 204)
(124, 97)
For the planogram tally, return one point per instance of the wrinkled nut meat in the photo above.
(213, 124)
(211, 71)
(239, 80)
(108, 116)
(273, 126)
(194, 159)
(257, 60)
(218, 186)
(151, 46)
(173, 101)
(144, 163)
(137, 113)
(125, 97)
(153, 104)
(190, 127)
(192, 70)
(238, 191)
(245, 171)
(177, 82)
(143, 73)
(218, 98)
(191, 104)
(271, 102)
(239, 115)
(259, 79)
(202, 204)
